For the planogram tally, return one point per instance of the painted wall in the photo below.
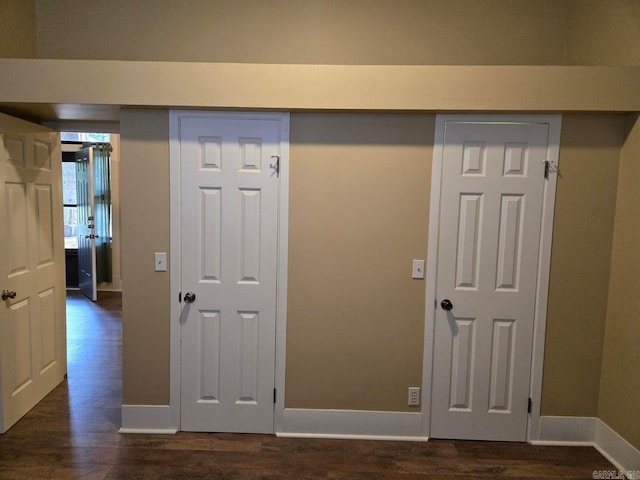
(360, 186)
(144, 221)
(359, 211)
(603, 32)
(620, 383)
(17, 29)
(579, 281)
(453, 32)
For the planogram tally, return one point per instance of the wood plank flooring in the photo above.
(73, 434)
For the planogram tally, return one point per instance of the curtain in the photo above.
(102, 202)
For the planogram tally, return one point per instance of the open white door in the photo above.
(32, 310)
(87, 278)
(489, 233)
(229, 242)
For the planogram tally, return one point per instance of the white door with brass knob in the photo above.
(32, 312)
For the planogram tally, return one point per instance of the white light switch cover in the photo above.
(160, 262)
(418, 269)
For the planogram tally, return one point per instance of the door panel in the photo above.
(229, 188)
(32, 323)
(489, 234)
(87, 278)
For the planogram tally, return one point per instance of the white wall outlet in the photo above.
(418, 269)
(160, 261)
(414, 396)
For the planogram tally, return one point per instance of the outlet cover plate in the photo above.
(414, 396)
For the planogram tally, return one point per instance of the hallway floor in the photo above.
(73, 434)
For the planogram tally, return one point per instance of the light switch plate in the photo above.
(160, 262)
(418, 269)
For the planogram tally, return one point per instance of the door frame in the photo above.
(176, 263)
(544, 258)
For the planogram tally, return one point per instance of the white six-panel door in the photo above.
(229, 211)
(489, 236)
(32, 315)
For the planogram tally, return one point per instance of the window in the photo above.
(70, 201)
(85, 137)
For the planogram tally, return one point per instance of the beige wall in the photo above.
(145, 230)
(620, 383)
(359, 210)
(603, 32)
(17, 29)
(359, 207)
(453, 32)
(580, 259)
(436, 32)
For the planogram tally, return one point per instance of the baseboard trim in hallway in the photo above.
(590, 431)
(154, 419)
(355, 424)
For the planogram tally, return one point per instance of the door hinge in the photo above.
(274, 395)
(529, 406)
(179, 297)
(547, 168)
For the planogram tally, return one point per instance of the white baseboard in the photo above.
(350, 424)
(591, 431)
(567, 431)
(147, 419)
(617, 450)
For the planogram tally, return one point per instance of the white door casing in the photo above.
(32, 324)
(86, 223)
(493, 199)
(229, 211)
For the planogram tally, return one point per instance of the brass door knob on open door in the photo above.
(6, 294)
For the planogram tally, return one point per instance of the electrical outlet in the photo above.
(414, 396)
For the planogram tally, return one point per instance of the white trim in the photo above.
(147, 419)
(544, 270)
(616, 449)
(432, 274)
(175, 252)
(590, 431)
(350, 424)
(566, 431)
(175, 267)
(282, 273)
(544, 261)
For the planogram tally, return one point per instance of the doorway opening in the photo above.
(98, 231)
(93, 325)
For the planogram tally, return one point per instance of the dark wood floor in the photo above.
(73, 433)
